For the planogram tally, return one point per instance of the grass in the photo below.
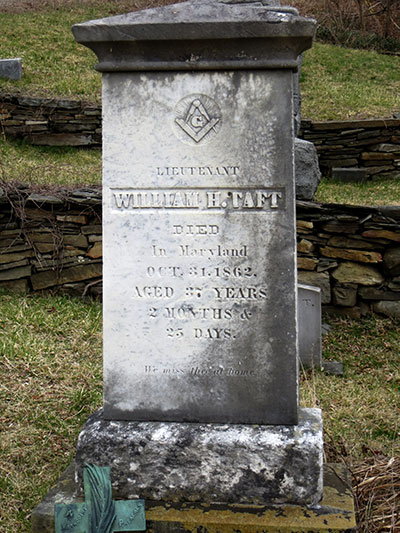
(341, 83)
(49, 166)
(53, 63)
(370, 193)
(361, 409)
(50, 381)
(42, 165)
(337, 83)
(50, 375)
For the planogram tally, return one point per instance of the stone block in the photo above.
(19, 285)
(309, 325)
(307, 263)
(372, 171)
(391, 260)
(96, 251)
(78, 240)
(349, 175)
(161, 49)
(51, 278)
(14, 264)
(76, 219)
(372, 293)
(336, 226)
(345, 295)
(334, 310)
(304, 226)
(377, 156)
(387, 147)
(188, 462)
(349, 272)
(382, 234)
(11, 68)
(92, 229)
(388, 308)
(307, 170)
(305, 246)
(95, 238)
(317, 279)
(15, 273)
(351, 255)
(349, 242)
(17, 256)
(61, 139)
(333, 368)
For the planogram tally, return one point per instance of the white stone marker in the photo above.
(309, 321)
(200, 329)
(199, 213)
(199, 262)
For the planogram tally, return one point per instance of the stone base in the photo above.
(186, 462)
(335, 512)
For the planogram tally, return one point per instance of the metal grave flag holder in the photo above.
(99, 513)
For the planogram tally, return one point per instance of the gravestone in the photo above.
(309, 323)
(11, 68)
(200, 334)
(201, 415)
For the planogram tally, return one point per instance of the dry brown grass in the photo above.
(377, 493)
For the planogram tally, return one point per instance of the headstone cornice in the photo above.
(210, 35)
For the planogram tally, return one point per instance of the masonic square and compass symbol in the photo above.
(198, 119)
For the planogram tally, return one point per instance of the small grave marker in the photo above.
(99, 513)
(309, 324)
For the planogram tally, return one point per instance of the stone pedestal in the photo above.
(241, 464)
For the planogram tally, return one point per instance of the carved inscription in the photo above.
(199, 199)
(196, 283)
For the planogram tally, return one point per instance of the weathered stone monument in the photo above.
(200, 290)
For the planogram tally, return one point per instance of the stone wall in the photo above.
(50, 242)
(42, 121)
(47, 241)
(370, 144)
(353, 254)
(373, 145)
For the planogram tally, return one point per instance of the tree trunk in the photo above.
(362, 16)
(388, 18)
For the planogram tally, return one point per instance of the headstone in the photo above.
(309, 323)
(349, 175)
(200, 296)
(11, 68)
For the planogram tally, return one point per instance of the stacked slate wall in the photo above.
(373, 145)
(52, 122)
(353, 254)
(370, 144)
(51, 241)
(54, 242)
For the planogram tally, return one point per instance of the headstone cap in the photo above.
(199, 35)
